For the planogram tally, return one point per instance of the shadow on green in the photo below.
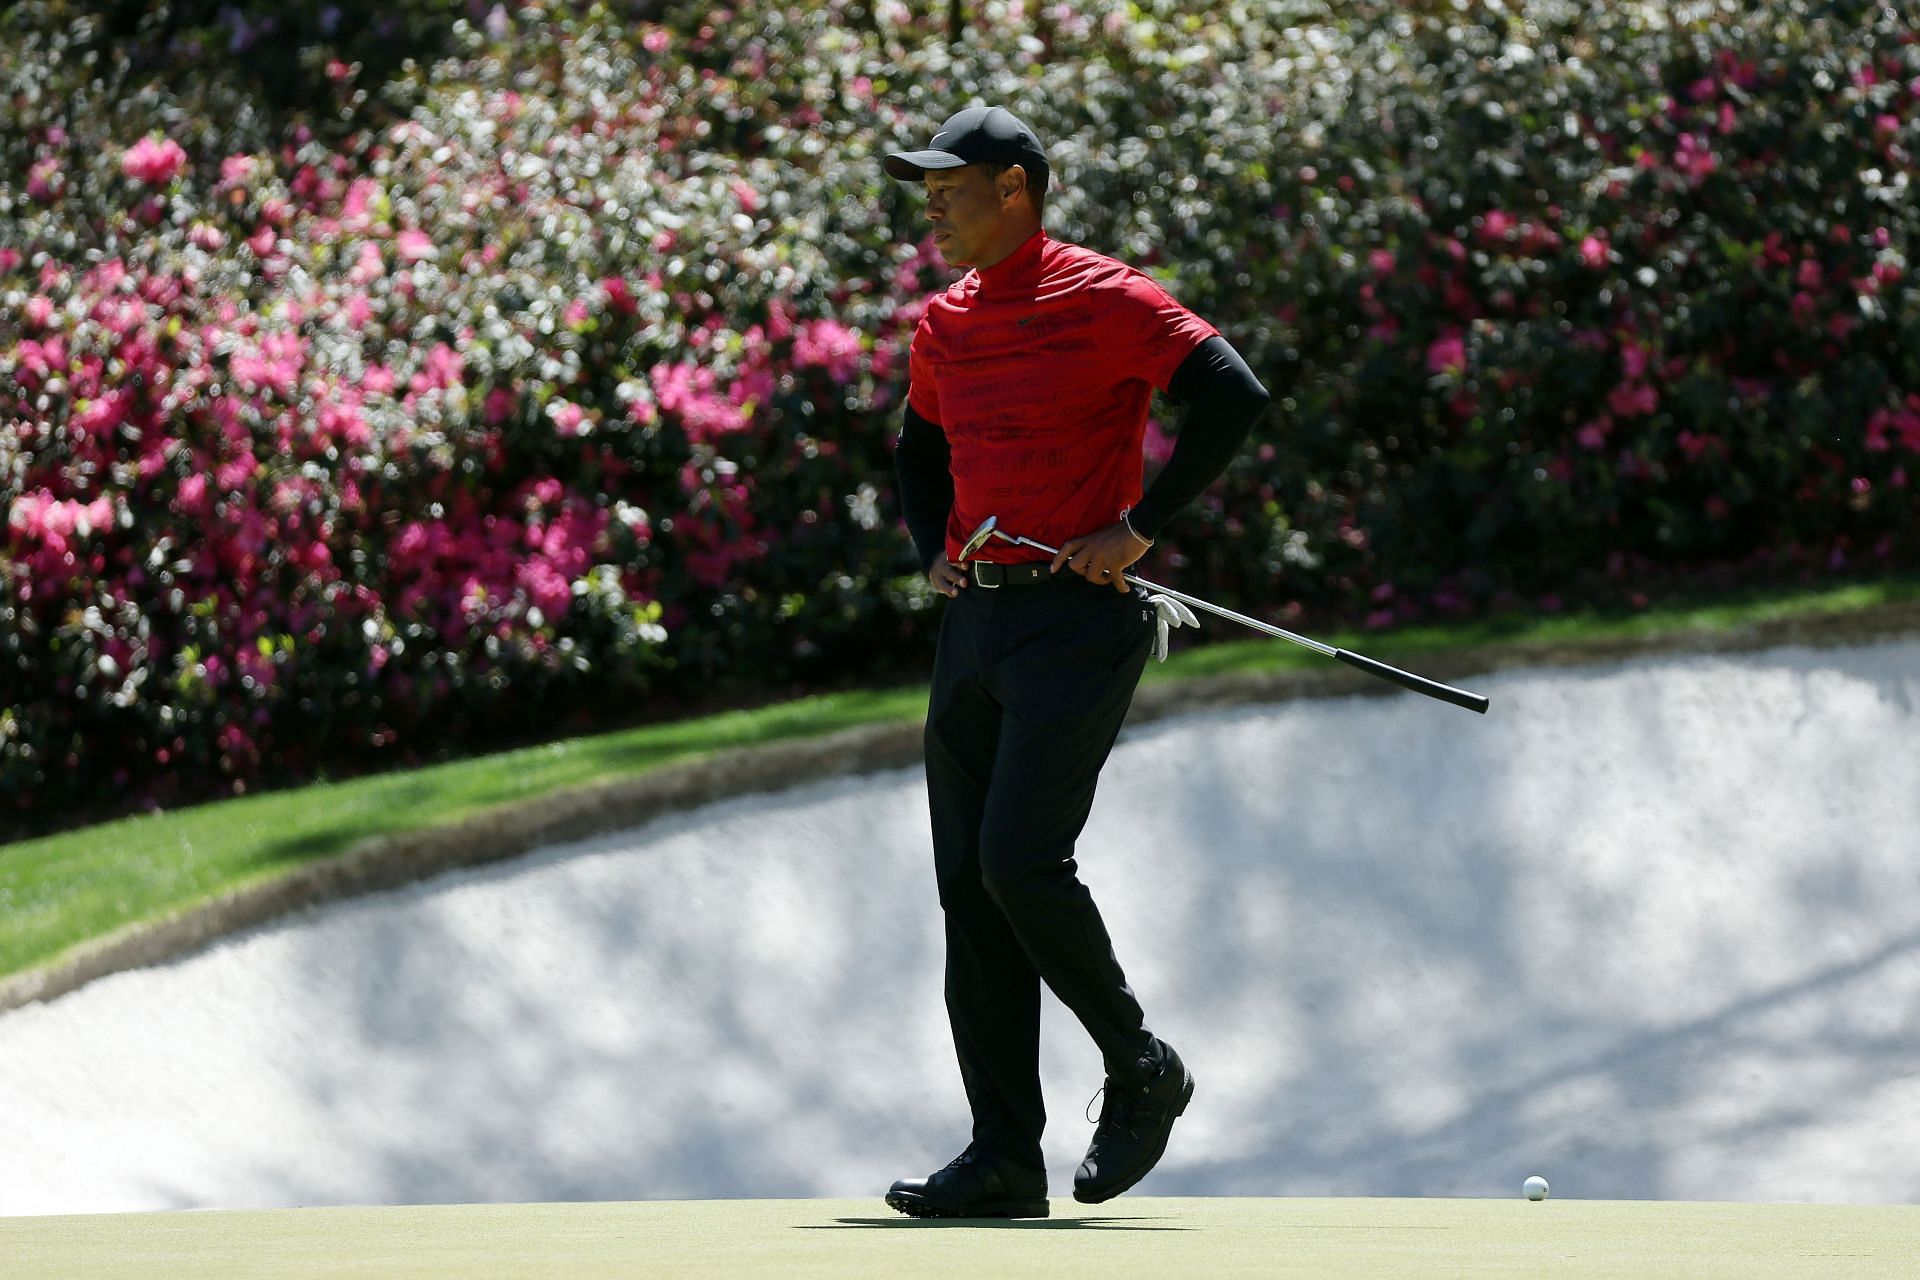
(991, 1224)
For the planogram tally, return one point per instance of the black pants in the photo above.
(1030, 685)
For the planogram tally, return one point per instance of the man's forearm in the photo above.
(922, 461)
(1223, 402)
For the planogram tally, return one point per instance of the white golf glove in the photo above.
(1168, 613)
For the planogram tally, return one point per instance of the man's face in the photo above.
(964, 207)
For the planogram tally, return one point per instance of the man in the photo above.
(1030, 384)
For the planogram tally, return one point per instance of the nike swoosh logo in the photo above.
(1024, 321)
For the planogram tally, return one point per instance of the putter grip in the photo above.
(1419, 684)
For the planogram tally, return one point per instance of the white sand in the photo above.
(1653, 932)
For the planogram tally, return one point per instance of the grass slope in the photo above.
(850, 1239)
(60, 891)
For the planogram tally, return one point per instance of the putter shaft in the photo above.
(1476, 702)
(1324, 650)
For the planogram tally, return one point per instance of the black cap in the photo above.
(978, 135)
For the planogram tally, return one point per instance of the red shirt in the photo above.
(1039, 369)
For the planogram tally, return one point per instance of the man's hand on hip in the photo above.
(1102, 556)
(946, 579)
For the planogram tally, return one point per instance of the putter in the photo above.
(990, 529)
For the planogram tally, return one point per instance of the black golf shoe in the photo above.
(1134, 1123)
(976, 1184)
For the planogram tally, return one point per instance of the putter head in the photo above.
(979, 538)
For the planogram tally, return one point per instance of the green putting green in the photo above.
(843, 1239)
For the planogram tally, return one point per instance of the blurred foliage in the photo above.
(384, 382)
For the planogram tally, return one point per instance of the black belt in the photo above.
(1035, 573)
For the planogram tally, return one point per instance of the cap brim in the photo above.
(911, 166)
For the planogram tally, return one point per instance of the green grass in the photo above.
(857, 1239)
(60, 891)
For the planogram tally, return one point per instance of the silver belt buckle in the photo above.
(973, 567)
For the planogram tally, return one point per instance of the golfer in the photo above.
(1030, 383)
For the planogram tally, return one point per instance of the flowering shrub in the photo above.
(540, 366)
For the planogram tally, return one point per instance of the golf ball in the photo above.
(1535, 1187)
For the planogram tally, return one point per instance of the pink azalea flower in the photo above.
(754, 386)
(45, 182)
(443, 369)
(1448, 353)
(153, 161)
(193, 493)
(342, 422)
(1157, 445)
(619, 296)
(28, 512)
(37, 360)
(356, 211)
(779, 320)
(687, 390)
(830, 345)
(569, 419)
(414, 245)
(887, 358)
(1694, 158)
(499, 404)
(1632, 399)
(1498, 225)
(275, 365)
(368, 265)
(103, 416)
(1593, 252)
(1887, 425)
(232, 474)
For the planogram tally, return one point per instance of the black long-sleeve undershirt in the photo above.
(1222, 401)
(923, 462)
